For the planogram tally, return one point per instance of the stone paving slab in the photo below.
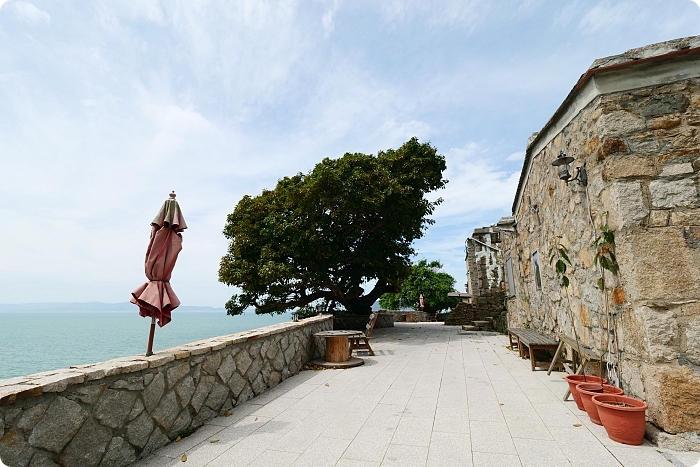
(433, 395)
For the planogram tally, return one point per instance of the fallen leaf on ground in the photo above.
(326, 385)
(184, 458)
(256, 419)
(226, 414)
(213, 440)
(178, 439)
(577, 425)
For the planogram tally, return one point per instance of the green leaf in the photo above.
(560, 267)
(601, 284)
(565, 281)
(564, 255)
(609, 237)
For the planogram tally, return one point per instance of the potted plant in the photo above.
(624, 418)
(575, 380)
(588, 390)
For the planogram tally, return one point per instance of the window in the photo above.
(509, 276)
(536, 265)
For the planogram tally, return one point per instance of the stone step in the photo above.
(469, 328)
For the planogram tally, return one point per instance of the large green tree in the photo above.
(326, 235)
(426, 278)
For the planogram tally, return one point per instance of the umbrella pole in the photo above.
(149, 352)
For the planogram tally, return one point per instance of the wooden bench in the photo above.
(533, 340)
(362, 342)
(584, 355)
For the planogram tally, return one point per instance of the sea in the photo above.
(51, 338)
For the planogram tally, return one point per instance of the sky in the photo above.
(107, 106)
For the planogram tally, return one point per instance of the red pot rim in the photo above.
(579, 378)
(607, 389)
(601, 399)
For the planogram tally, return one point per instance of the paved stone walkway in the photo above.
(432, 396)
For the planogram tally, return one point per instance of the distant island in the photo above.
(91, 307)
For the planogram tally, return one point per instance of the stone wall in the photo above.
(110, 414)
(489, 306)
(484, 262)
(359, 322)
(402, 316)
(640, 146)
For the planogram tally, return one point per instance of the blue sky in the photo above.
(107, 106)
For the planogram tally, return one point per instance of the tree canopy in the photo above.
(325, 235)
(425, 278)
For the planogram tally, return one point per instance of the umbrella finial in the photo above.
(172, 195)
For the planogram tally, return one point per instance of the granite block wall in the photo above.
(641, 148)
(112, 413)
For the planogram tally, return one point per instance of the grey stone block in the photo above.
(31, 416)
(212, 363)
(60, 423)
(156, 441)
(185, 390)
(152, 394)
(114, 407)
(243, 361)
(167, 410)
(202, 392)
(217, 396)
(88, 394)
(182, 421)
(138, 431)
(87, 447)
(119, 454)
(228, 366)
(14, 450)
(177, 372)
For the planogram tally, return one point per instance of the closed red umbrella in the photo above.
(156, 298)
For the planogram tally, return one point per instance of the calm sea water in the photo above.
(34, 342)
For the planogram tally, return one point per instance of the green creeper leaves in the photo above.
(561, 255)
(604, 246)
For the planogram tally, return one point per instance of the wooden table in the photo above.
(337, 344)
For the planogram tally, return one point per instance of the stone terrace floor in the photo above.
(432, 396)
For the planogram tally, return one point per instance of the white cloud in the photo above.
(516, 156)
(118, 102)
(605, 16)
(438, 13)
(476, 183)
(30, 14)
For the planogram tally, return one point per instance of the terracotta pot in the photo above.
(624, 424)
(588, 390)
(573, 380)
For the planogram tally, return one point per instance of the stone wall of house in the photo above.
(484, 262)
(110, 414)
(641, 148)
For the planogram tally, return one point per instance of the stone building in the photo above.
(485, 281)
(484, 262)
(632, 122)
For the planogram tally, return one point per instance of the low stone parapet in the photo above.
(110, 414)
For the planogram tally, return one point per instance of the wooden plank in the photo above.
(555, 359)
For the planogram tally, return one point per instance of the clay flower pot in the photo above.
(588, 390)
(574, 380)
(624, 418)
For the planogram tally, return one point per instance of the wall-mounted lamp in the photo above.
(563, 161)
